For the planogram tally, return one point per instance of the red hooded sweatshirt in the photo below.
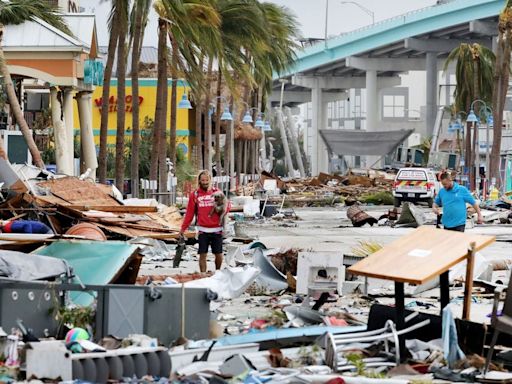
(200, 203)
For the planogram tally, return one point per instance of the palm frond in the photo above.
(18, 11)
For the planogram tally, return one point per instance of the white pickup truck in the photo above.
(415, 185)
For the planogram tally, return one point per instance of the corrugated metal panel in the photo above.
(357, 142)
(82, 26)
(36, 34)
(148, 55)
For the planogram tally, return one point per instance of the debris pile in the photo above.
(99, 265)
(325, 189)
(62, 203)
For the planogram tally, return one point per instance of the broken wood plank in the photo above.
(114, 209)
(468, 288)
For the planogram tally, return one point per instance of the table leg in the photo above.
(468, 289)
(400, 317)
(444, 285)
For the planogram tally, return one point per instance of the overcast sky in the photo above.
(310, 15)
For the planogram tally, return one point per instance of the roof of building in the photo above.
(37, 35)
(148, 55)
(83, 26)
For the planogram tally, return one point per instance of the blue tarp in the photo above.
(286, 333)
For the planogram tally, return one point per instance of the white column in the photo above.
(60, 135)
(323, 154)
(316, 122)
(69, 122)
(372, 109)
(231, 127)
(431, 66)
(90, 160)
(295, 142)
(494, 44)
(284, 140)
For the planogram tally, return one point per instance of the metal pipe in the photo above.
(326, 21)
(384, 336)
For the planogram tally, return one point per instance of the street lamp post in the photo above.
(226, 116)
(364, 9)
(459, 126)
(472, 118)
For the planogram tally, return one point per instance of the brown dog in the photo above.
(219, 206)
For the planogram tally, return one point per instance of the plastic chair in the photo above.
(502, 323)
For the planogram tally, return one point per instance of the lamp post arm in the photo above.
(364, 9)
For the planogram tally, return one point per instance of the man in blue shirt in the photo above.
(453, 198)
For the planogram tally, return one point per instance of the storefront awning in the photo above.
(349, 142)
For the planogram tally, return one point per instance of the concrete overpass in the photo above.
(372, 58)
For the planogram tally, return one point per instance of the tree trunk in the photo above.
(239, 158)
(121, 105)
(107, 75)
(18, 115)
(16, 110)
(467, 144)
(246, 156)
(162, 151)
(174, 89)
(136, 50)
(475, 151)
(199, 137)
(500, 93)
(161, 84)
(229, 138)
(218, 122)
(208, 124)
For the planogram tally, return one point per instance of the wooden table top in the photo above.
(419, 256)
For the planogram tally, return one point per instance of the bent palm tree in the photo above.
(121, 93)
(113, 25)
(501, 80)
(17, 12)
(193, 31)
(474, 72)
(139, 19)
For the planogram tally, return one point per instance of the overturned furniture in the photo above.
(338, 344)
(502, 323)
(422, 255)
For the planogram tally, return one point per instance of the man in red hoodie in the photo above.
(209, 226)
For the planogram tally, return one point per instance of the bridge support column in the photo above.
(323, 154)
(372, 109)
(431, 67)
(317, 119)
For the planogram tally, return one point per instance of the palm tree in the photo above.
(122, 20)
(193, 32)
(160, 114)
(17, 12)
(474, 73)
(500, 83)
(139, 18)
(113, 25)
(174, 95)
(242, 27)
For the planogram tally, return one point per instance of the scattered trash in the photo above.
(228, 283)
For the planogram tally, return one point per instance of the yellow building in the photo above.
(147, 104)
